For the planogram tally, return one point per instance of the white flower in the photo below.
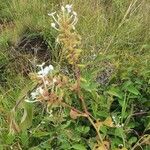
(45, 71)
(37, 92)
(69, 8)
(119, 125)
(53, 25)
(34, 95)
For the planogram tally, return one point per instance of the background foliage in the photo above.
(116, 49)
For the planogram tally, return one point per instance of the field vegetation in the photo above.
(74, 75)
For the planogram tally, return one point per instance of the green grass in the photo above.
(117, 32)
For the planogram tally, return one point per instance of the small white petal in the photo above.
(63, 8)
(51, 67)
(74, 13)
(113, 117)
(74, 22)
(34, 95)
(52, 14)
(41, 64)
(69, 8)
(53, 25)
(73, 27)
(28, 101)
(45, 71)
(122, 125)
(118, 125)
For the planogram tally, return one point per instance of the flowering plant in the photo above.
(55, 88)
(67, 94)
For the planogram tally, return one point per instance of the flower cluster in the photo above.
(117, 123)
(50, 86)
(45, 71)
(41, 92)
(67, 15)
(64, 23)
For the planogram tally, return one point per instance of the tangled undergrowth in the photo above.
(78, 101)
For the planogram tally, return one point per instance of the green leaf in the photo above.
(40, 133)
(129, 86)
(10, 139)
(89, 86)
(126, 84)
(103, 129)
(83, 129)
(146, 46)
(115, 91)
(115, 142)
(132, 140)
(79, 147)
(24, 138)
(120, 133)
(26, 120)
(133, 90)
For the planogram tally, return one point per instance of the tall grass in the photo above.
(117, 27)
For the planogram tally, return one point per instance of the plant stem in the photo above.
(78, 77)
(98, 133)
